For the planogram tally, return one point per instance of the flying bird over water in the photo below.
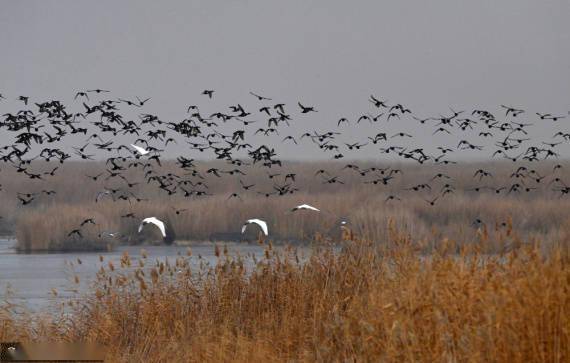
(154, 221)
(262, 224)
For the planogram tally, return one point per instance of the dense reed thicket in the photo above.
(368, 301)
(541, 213)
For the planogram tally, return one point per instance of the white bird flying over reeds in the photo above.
(306, 207)
(156, 222)
(259, 222)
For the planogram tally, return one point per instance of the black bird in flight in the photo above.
(81, 94)
(261, 98)
(432, 201)
(514, 111)
(87, 221)
(377, 102)
(98, 90)
(234, 195)
(341, 120)
(306, 109)
(142, 102)
(392, 197)
(75, 232)
(179, 211)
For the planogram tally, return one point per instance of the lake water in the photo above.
(32, 277)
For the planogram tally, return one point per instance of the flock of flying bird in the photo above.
(38, 132)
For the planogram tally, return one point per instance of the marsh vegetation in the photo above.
(45, 224)
(400, 300)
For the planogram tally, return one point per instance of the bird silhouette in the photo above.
(306, 109)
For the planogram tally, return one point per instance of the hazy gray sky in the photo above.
(332, 54)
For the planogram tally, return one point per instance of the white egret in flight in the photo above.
(156, 222)
(140, 150)
(306, 207)
(259, 222)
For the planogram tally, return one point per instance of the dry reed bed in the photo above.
(541, 213)
(368, 302)
(48, 229)
(216, 218)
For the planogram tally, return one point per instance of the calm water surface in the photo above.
(31, 277)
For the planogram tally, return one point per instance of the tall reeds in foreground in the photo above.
(364, 302)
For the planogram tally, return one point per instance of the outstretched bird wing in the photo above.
(259, 222)
(156, 222)
(140, 149)
(306, 206)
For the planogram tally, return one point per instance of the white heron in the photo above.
(306, 207)
(259, 222)
(156, 222)
(140, 150)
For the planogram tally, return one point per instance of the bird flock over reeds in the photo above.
(247, 137)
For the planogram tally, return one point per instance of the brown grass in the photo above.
(47, 229)
(541, 214)
(367, 302)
